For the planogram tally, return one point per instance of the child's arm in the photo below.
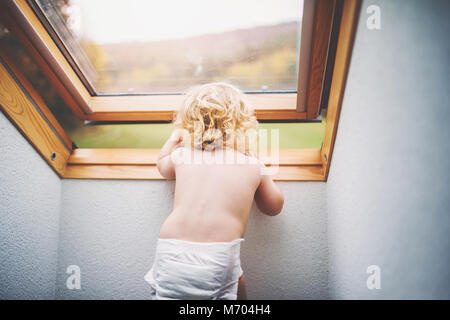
(164, 164)
(268, 196)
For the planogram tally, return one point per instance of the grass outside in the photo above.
(291, 135)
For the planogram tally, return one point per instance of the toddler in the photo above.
(217, 178)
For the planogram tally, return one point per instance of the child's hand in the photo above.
(176, 136)
(175, 141)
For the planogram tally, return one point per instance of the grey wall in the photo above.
(387, 194)
(109, 229)
(286, 256)
(29, 217)
(386, 201)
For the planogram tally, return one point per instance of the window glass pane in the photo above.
(141, 46)
(292, 135)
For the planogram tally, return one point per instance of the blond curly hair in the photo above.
(216, 114)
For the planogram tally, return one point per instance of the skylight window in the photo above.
(137, 47)
(131, 61)
(51, 75)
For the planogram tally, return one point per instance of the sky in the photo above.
(109, 21)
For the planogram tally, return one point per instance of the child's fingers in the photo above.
(176, 136)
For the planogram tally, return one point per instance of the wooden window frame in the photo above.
(24, 20)
(26, 109)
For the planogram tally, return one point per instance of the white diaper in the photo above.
(195, 270)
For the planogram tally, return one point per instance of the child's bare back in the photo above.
(212, 200)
